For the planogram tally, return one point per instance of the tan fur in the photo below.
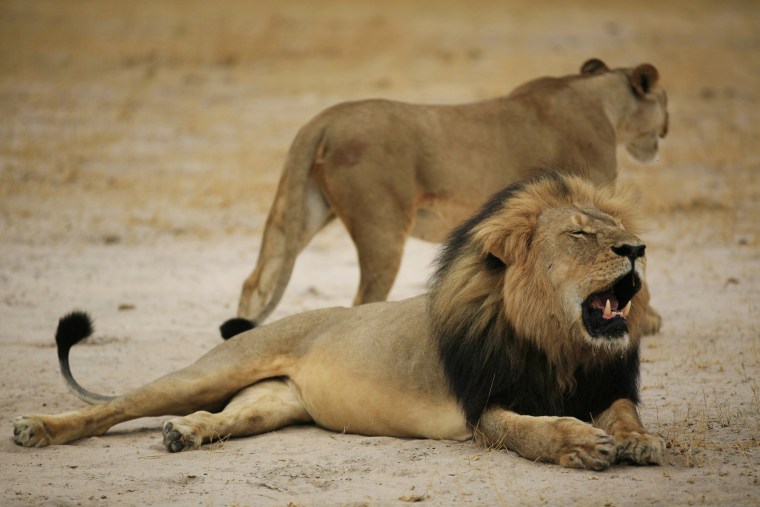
(562, 440)
(375, 369)
(389, 169)
(534, 258)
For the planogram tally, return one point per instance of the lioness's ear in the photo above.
(643, 79)
(594, 66)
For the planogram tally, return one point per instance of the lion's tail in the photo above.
(299, 211)
(73, 328)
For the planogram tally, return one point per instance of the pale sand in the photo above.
(139, 152)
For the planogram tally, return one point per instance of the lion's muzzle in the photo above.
(605, 312)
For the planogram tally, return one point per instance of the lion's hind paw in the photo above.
(30, 432)
(178, 437)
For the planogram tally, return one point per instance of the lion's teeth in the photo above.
(627, 310)
(607, 310)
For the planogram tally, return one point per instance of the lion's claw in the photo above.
(641, 449)
(589, 448)
(598, 456)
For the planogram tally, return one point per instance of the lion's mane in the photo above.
(498, 340)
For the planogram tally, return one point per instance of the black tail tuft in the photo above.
(72, 328)
(235, 326)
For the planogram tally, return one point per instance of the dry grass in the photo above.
(713, 424)
(182, 106)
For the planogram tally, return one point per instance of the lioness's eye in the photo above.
(579, 233)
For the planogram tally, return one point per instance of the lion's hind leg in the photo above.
(262, 407)
(44, 430)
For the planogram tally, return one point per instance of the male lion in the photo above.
(528, 340)
(389, 169)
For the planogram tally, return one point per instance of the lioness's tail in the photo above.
(73, 328)
(299, 211)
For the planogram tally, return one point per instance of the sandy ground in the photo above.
(140, 145)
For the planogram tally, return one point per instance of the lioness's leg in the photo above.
(378, 264)
(565, 441)
(634, 444)
(379, 236)
(262, 407)
(286, 234)
(652, 321)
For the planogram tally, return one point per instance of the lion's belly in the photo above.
(373, 370)
(345, 399)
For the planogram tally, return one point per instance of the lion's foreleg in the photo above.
(260, 408)
(565, 441)
(634, 443)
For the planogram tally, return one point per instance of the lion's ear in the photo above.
(644, 78)
(508, 240)
(594, 66)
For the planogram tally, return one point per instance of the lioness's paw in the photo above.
(652, 322)
(584, 446)
(641, 448)
(180, 437)
(30, 432)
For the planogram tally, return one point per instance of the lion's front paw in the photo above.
(30, 432)
(641, 448)
(180, 437)
(584, 446)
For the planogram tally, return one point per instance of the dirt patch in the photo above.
(140, 146)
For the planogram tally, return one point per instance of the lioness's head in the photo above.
(556, 261)
(642, 103)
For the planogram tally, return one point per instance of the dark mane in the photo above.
(485, 362)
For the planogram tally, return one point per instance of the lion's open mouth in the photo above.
(605, 312)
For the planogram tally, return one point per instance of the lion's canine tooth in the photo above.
(627, 310)
(607, 310)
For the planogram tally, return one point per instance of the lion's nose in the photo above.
(633, 252)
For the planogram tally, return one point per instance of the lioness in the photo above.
(528, 340)
(389, 169)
